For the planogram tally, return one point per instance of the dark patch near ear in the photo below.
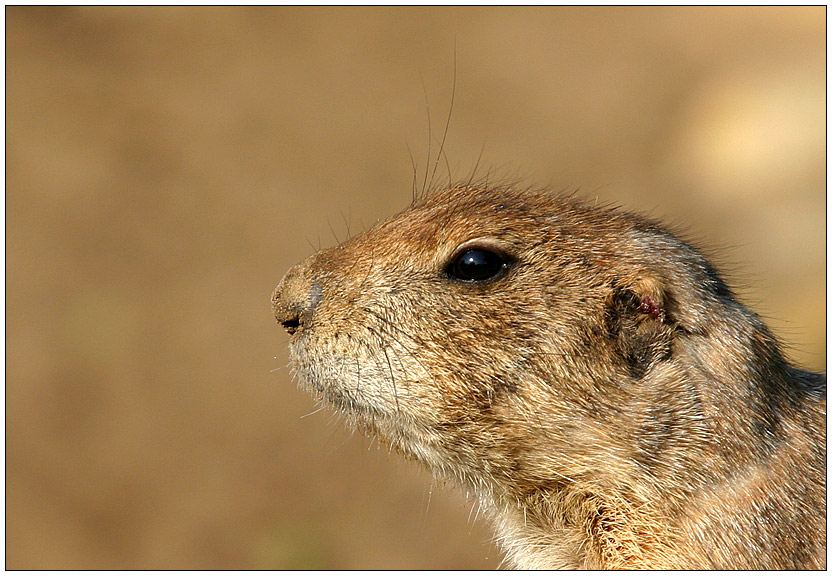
(640, 330)
(715, 283)
(810, 384)
(777, 392)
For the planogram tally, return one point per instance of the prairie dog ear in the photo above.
(638, 322)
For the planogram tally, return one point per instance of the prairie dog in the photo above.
(587, 375)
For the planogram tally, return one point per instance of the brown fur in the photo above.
(607, 399)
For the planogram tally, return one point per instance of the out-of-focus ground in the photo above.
(165, 166)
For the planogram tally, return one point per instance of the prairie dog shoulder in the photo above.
(585, 373)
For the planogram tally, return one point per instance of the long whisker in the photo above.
(415, 176)
(447, 122)
(318, 409)
(392, 379)
(346, 223)
(430, 136)
(331, 229)
(477, 165)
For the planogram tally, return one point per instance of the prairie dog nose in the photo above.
(295, 298)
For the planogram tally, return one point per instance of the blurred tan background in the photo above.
(165, 166)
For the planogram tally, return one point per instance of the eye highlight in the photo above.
(476, 264)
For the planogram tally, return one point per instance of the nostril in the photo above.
(291, 324)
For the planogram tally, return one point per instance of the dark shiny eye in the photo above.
(476, 265)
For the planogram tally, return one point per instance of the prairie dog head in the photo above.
(490, 333)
